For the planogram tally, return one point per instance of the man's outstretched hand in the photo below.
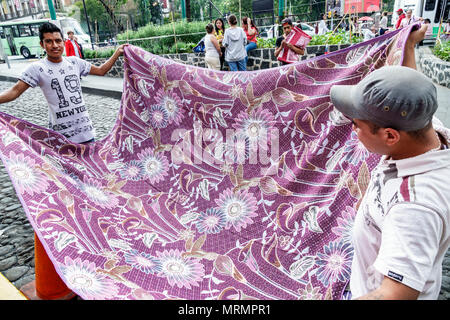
(416, 36)
(121, 49)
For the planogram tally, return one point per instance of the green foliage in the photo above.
(442, 51)
(266, 43)
(339, 37)
(188, 34)
(93, 54)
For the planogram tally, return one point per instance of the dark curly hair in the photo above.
(48, 27)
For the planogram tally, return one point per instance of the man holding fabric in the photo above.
(401, 231)
(59, 78)
(281, 43)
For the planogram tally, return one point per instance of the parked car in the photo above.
(307, 28)
(268, 32)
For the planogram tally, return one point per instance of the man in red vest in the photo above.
(72, 46)
(401, 15)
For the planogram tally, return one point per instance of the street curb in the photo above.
(86, 89)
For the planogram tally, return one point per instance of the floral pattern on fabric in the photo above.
(211, 185)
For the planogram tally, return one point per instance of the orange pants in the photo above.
(49, 285)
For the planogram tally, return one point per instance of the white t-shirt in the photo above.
(210, 49)
(60, 83)
(368, 34)
(401, 229)
(405, 22)
(323, 27)
(383, 22)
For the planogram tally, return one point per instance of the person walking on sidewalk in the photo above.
(234, 41)
(401, 231)
(73, 48)
(59, 79)
(401, 16)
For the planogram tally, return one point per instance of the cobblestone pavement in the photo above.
(16, 234)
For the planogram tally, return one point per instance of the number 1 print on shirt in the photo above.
(72, 84)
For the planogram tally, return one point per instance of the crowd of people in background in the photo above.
(234, 43)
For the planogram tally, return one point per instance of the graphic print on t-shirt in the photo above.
(60, 83)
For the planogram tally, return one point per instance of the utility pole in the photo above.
(280, 9)
(51, 8)
(183, 9)
(87, 21)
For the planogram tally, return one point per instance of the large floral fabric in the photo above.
(211, 185)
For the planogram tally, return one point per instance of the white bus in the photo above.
(22, 37)
(430, 9)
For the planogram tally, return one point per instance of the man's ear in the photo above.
(392, 136)
(42, 44)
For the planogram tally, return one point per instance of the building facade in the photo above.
(17, 9)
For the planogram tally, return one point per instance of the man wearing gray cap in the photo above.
(401, 231)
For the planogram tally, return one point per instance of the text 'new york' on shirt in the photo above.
(60, 83)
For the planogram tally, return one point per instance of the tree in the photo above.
(156, 13)
(144, 9)
(110, 6)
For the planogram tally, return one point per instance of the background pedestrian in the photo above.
(212, 49)
(252, 32)
(219, 26)
(234, 41)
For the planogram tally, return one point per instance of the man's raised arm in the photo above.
(14, 92)
(104, 68)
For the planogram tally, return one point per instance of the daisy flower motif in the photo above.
(237, 150)
(25, 175)
(186, 234)
(158, 116)
(172, 104)
(355, 150)
(310, 293)
(83, 278)
(155, 165)
(211, 221)
(257, 127)
(334, 262)
(95, 192)
(345, 224)
(179, 271)
(133, 170)
(142, 261)
(239, 208)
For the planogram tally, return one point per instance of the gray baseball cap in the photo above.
(391, 97)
